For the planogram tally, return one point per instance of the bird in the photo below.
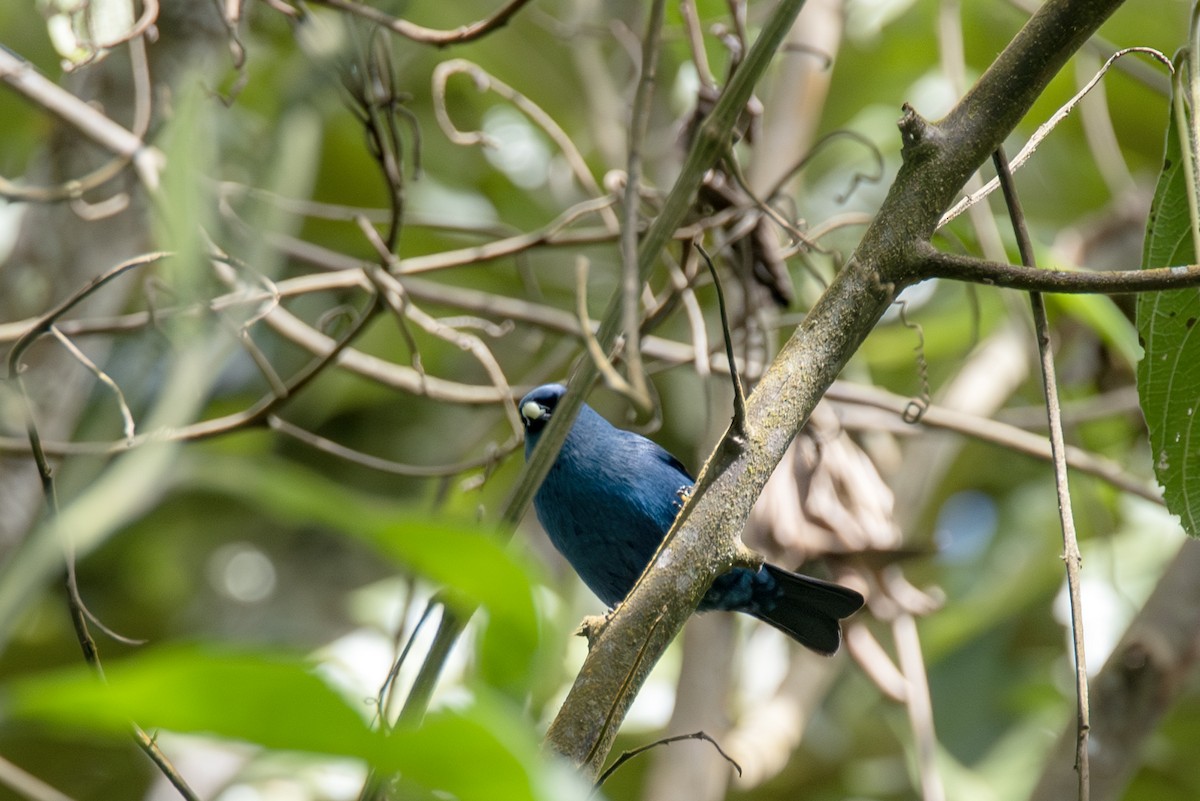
(609, 500)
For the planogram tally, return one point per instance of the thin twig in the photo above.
(920, 707)
(486, 81)
(628, 755)
(801, 241)
(375, 781)
(150, 748)
(553, 233)
(1184, 97)
(75, 605)
(392, 288)
(631, 281)
(1095, 116)
(695, 316)
(139, 67)
(453, 621)
(739, 393)
(326, 350)
(127, 425)
(493, 455)
(1045, 128)
(43, 324)
(613, 379)
(431, 36)
(917, 406)
(22, 76)
(136, 31)
(826, 140)
(1053, 411)
(695, 37)
(66, 190)
(557, 233)
(984, 429)
(936, 264)
(376, 104)
(388, 688)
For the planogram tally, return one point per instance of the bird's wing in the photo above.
(660, 453)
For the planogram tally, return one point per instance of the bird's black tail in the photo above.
(808, 609)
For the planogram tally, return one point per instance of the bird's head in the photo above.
(537, 407)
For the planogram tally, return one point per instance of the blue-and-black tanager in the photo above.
(611, 497)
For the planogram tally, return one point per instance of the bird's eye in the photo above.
(532, 410)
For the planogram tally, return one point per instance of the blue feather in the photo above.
(612, 495)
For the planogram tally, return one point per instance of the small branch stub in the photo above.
(918, 136)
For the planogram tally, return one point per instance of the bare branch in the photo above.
(75, 188)
(42, 324)
(484, 81)
(493, 455)
(938, 160)
(1071, 554)
(612, 378)
(1143, 678)
(432, 36)
(467, 342)
(631, 281)
(21, 76)
(1003, 435)
(920, 706)
(696, 735)
(933, 263)
(128, 426)
(1045, 128)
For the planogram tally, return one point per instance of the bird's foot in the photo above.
(682, 495)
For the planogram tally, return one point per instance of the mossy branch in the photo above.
(894, 251)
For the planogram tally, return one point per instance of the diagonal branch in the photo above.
(24, 78)
(938, 160)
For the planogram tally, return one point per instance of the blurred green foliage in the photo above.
(342, 558)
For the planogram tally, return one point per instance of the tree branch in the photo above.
(1004, 435)
(1066, 515)
(938, 160)
(24, 78)
(936, 264)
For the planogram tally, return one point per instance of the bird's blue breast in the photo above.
(607, 503)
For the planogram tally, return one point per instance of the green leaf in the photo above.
(482, 751)
(462, 555)
(267, 698)
(1169, 373)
